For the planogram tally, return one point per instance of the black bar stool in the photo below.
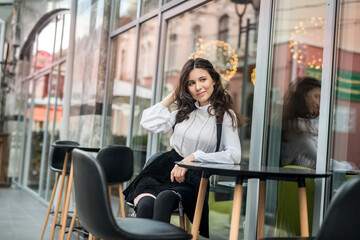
(117, 162)
(59, 162)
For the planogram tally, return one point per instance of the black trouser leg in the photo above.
(166, 202)
(145, 207)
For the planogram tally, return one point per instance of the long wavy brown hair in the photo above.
(220, 100)
(295, 104)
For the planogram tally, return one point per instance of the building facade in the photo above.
(85, 70)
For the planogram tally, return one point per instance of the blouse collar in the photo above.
(202, 109)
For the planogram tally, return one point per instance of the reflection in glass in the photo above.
(166, 1)
(62, 36)
(346, 128)
(125, 11)
(21, 132)
(33, 56)
(65, 39)
(144, 81)
(45, 46)
(148, 5)
(59, 32)
(297, 50)
(37, 130)
(301, 123)
(120, 85)
(54, 120)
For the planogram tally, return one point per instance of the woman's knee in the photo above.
(167, 196)
(145, 207)
(166, 202)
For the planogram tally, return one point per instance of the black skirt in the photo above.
(155, 178)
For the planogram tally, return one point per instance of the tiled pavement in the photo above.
(22, 217)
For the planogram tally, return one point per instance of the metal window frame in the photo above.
(322, 186)
(261, 97)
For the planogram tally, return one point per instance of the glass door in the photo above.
(36, 115)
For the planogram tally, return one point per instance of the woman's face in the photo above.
(200, 85)
(312, 100)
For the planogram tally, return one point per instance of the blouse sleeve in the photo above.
(158, 119)
(230, 147)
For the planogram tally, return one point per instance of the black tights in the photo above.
(160, 208)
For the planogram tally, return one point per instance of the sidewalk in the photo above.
(22, 217)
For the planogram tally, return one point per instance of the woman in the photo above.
(202, 106)
(300, 123)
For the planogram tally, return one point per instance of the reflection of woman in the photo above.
(300, 123)
(202, 104)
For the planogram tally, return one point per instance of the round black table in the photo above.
(250, 172)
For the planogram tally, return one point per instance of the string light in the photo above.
(215, 50)
(253, 76)
(294, 46)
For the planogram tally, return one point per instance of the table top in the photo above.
(247, 172)
(348, 172)
(70, 147)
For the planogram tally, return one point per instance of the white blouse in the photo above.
(196, 135)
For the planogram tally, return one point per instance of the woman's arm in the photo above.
(158, 118)
(230, 151)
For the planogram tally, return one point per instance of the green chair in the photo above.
(287, 214)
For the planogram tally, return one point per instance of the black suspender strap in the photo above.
(218, 135)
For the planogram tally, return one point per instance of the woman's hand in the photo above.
(178, 173)
(169, 99)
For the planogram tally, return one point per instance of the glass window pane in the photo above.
(166, 1)
(234, 55)
(212, 31)
(295, 83)
(65, 36)
(295, 86)
(144, 82)
(21, 132)
(54, 122)
(45, 46)
(148, 5)
(59, 30)
(125, 11)
(39, 105)
(33, 56)
(120, 87)
(346, 128)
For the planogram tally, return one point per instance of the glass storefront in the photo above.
(149, 43)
